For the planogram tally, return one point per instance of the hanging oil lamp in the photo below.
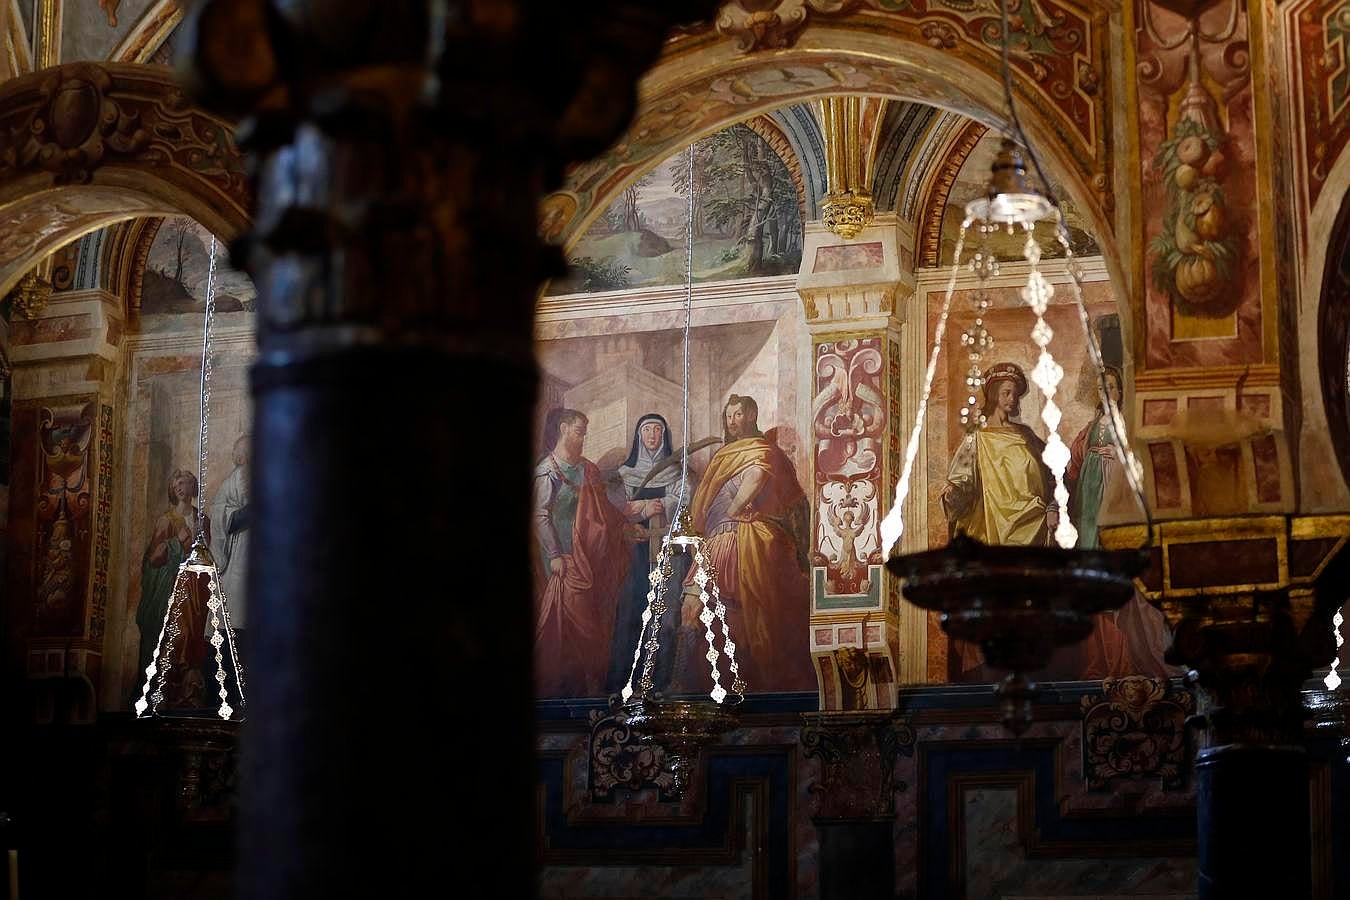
(1016, 602)
(196, 571)
(682, 725)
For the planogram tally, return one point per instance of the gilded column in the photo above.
(398, 153)
(851, 126)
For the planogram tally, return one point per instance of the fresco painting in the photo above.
(1199, 189)
(747, 221)
(64, 517)
(163, 424)
(992, 484)
(607, 484)
(849, 424)
(175, 279)
(164, 428)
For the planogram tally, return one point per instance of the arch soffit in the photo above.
(941, 57)
(956, 149)
(903, 133)
(91, 144)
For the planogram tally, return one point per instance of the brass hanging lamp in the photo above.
(198, 569)
(1017, 602)
(682, 725)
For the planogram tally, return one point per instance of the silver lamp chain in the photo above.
(688, 315)
(206, 389)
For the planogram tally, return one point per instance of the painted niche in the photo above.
(974, 483)
(162, 424)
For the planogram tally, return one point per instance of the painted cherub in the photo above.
(849, 528)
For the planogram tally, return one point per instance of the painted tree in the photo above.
(749, 193)
(704, 158)
(632, 196)
(180, 229)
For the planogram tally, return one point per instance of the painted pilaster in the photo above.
(852, 291)
(60, 507)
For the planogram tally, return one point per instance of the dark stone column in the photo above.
(398, 150)
(1253, 820)
(857, 858)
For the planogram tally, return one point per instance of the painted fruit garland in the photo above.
(1195, 255)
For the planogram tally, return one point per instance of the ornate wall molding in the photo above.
(943, 54)
(1135, 729)
(87, 144)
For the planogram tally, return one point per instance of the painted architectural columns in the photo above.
(65, 368)
(864, 642)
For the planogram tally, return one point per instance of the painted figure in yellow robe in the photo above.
(998, 490)
(749, 509)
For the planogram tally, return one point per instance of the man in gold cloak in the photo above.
(750, 510)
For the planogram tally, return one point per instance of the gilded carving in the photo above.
(29, 297)
(760, 25)
(847, 213)
(619, 759)
(1135, 729)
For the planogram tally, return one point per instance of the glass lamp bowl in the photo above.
(1011, 199)
(1012, 209)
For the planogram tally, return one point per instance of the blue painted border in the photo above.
(941, 763)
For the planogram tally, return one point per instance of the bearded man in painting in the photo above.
(580, 564)
(748, 507)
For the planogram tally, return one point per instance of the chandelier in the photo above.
(682, 725)
(1013, 593)
(197, 568)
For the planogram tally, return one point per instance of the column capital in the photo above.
(856, 285)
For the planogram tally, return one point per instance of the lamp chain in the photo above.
(206, 390)
(893, 525)
(688, 316)
(1133, 469)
